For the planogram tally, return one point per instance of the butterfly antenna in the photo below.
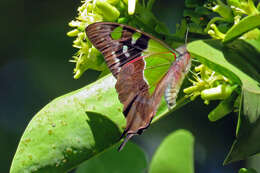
(186, 35)
(188, 21)
(128, 136)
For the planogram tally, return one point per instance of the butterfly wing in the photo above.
(128, 52)
(121, 44)
(115, 42)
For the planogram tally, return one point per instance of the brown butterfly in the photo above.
(129, 53)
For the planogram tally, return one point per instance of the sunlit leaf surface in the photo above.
(74, 128)
(231, 61)
(246, 24)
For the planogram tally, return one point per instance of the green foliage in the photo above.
(221, 59)
(245, 25)
(244, 170)
(108, 10)
(115, 161)
(71, 129)
(209, 84)
(224, 108)
(175, 154)
(87, 122)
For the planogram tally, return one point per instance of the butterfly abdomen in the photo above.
(177, 73)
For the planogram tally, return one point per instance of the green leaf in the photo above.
(246, 24)
(244, 56)
(115, 161)
(225, 61)
(253, 38)
(224, 108)
(74, 128)
(244, 170)
(247, 142)
(175, 154)
(71, 129)
(150, 4)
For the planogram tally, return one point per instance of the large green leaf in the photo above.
(224, 108)
(74, 128)
(247, 142)
(71, 129)
(175, 154)
(245, 25)
(114, 161)
(253, 38)
(230, 61)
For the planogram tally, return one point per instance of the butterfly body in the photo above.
(130, 55)
(178, 71)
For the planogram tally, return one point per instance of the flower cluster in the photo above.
(89, 12)
(203, 20)
(209, 85)
(215, 18)
(228, 14)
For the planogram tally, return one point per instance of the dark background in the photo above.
(34, 69)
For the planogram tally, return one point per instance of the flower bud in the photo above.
(131, 6)
(74, 23)
(108, 11)
(223, 10)
(220, 92)
(73, 33)
(113, 2)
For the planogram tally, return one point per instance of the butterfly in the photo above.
(132, 56)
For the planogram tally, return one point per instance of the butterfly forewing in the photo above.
(115, 43)
(121, 44)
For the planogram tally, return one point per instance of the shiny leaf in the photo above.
(230, 61)
(74, 128)
(175, 154)
(246, 24)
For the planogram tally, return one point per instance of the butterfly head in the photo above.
(182, 50)
(184, 57)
